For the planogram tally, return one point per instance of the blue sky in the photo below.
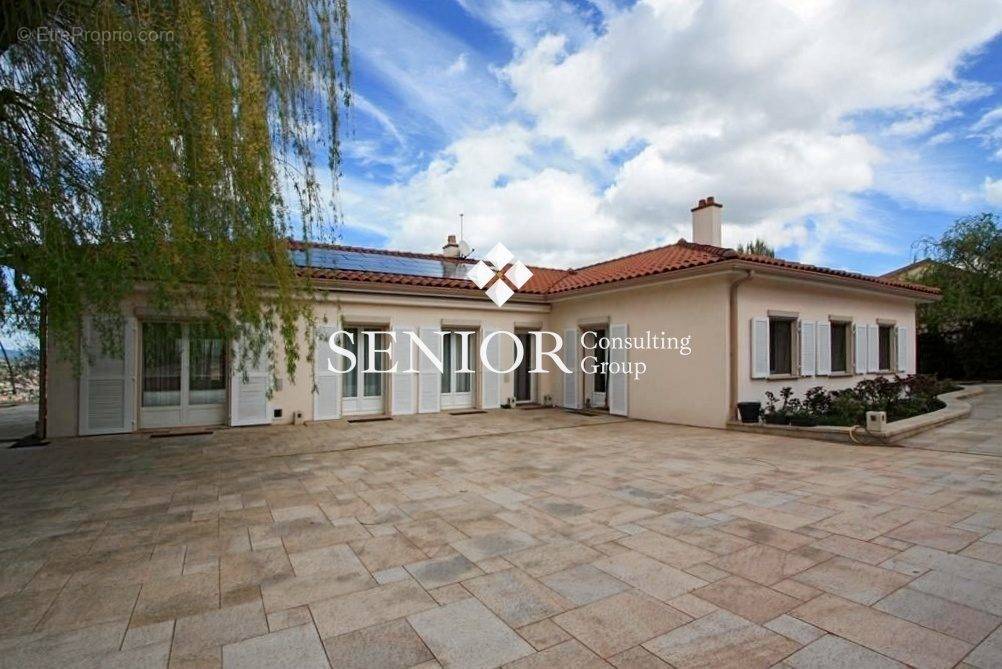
(576, 130)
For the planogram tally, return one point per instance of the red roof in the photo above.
(549, 281)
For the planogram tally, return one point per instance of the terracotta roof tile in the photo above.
(550, 281)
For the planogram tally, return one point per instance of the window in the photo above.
(780, 345)
(841, 331)
(884, 339)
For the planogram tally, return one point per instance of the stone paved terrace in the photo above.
(512, 538)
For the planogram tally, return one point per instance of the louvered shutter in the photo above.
(873, 348)
(491, 381)
(403, 383)
(860, 341)
(108, 381)
(808, 351)
(824, 346)
(249, 388)
(619, 382)
(430, 382)
(904, 360)
(570, 355)
(327, 399)
(760, 348)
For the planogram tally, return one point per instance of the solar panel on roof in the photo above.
(339, 259)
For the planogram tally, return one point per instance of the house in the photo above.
(709, 326)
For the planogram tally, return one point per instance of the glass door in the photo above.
(183, 376)
(595, 384)
(524, 381)
(362, 391)
(457, 386)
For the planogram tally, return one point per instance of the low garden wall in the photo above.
(955, 409)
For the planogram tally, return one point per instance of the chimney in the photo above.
(706, 220)
(451, 248)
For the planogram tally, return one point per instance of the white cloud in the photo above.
(678, 99)
(993, 191)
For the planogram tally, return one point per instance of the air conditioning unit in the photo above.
(876, 422)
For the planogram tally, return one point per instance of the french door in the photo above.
(362, 392)
(457, 386)
(184, 375)
(524, 381)
(596, 383)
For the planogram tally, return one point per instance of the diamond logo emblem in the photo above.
(491, 275)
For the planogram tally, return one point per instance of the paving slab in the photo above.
(612, 625)
(392, 645)
(298, 647)
(467, 634)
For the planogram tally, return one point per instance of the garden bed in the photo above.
(954, 408)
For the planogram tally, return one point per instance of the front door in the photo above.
(523, 379)
(184, 375)
(362, 391)
(596, 383)
(457, 386)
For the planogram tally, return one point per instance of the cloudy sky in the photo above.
(576, 130)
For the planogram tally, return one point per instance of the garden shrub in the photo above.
(900, 397)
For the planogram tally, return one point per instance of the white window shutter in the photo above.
(327, 398)
(760, 348)
(807, 347)
(904, 360)
(490, 392)
(860, 341)
(403, 383)
(824, 346)
(249, 388)
(430, 382)
(108, 381)
(873, 348)
(570, 354)
(619, 382)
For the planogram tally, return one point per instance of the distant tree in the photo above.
(963, 327)
(173, 142)
(758, 247)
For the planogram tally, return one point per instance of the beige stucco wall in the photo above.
(812, 302)
(678, 389)
(690, 389)
(295, 394)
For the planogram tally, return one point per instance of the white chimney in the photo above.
(451, 248)
(706, 219)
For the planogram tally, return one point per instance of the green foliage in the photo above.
(172, 143)
(967, 268)
(758, 247)
(900, 397)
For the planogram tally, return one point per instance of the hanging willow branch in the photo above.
(178, 144)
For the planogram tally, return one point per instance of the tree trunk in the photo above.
(10, 369)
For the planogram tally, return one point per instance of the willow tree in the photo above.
(174, 145)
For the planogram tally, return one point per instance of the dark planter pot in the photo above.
(803, 421)
(749, 411)
(776, 419)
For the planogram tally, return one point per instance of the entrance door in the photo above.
(524, 383)
(457, 386)
(184, 375)
(596, 384)
(362, 392)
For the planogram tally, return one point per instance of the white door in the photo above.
(457, 386)
(184, 372)
(596, 383)
(362, 391)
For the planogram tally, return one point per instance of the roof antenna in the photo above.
(464, 248)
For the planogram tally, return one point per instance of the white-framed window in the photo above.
(782, 345)
(886, 358)
(841, 346)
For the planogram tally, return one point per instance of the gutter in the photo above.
(732, 317)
